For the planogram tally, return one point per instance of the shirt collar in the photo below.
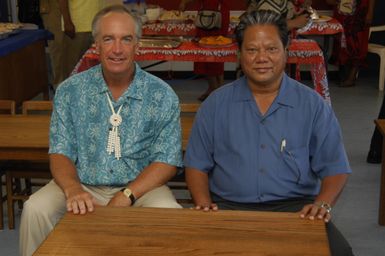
(133, 91)
(285, 95)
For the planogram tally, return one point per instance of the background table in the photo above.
(26, 137)
(300, 51)
(156, 231)
(23, 67)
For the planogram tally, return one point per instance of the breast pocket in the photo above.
(296, 164)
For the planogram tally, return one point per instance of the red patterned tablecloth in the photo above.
(300, 51)
(330, 27)
(172, 29)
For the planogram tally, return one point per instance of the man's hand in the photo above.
(120, 200)
(206, 207)
(69, 29)
(299, 21)
(316, 210)
(79, 201)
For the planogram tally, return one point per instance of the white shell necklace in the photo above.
(113, 144)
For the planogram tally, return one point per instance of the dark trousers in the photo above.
(338, 244)
(376, 142)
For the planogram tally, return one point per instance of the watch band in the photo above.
(128, 193)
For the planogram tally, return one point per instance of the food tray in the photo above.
(159, 43)
(322, 19)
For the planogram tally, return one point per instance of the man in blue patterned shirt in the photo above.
(115, 136)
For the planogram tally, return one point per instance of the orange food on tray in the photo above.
(215, 40)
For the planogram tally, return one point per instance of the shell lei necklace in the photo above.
(113, 144)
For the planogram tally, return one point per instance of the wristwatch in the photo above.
(324, 205)
(128, 193)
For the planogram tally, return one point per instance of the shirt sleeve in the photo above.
(62, 135)
(328, 156)
(167, 147)
(200, 148)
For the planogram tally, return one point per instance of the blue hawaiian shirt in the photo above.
(150, 131)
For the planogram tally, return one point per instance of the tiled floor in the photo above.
(356, 213)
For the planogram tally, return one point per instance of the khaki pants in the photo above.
(50, 13)
(47, 206)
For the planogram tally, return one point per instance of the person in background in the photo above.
(51, 15)
(76, 24)
(137, 7)
(214, 71)
(376, 143)
(356, 17)
(295, 19)
(266, 142)
(115, 135)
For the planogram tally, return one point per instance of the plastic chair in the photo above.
(380, 50)
(26, 170)
(6, 107)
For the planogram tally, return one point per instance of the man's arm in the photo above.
(198, 184)
(69, 27)
(65, 175)
(298, 22)
(154, 175)
(331, 188)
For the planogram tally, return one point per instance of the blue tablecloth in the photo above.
(22, 39)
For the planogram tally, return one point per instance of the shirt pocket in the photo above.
(296, 165)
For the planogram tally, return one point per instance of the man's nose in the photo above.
(117, 47)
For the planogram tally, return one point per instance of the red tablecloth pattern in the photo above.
(300, 51)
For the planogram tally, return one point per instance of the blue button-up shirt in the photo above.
(150, 131)
(253, 158)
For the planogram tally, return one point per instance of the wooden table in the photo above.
(156, 231)
(380, 123)
(26, 137)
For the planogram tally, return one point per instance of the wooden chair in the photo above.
(26, 170)
(178, 183)
(6, 107)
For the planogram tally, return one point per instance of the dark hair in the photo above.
(118, 9)
(262, 17)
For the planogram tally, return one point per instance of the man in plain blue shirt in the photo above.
(265, 141)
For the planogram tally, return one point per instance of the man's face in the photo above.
(116, 43)
(263, 56)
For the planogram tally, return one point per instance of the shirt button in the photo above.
(262, 170)
(111, 171)
(263, 146)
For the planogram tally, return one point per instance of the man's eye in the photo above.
(251, 50)
(107, 39)
(127, 40)
(272, 49)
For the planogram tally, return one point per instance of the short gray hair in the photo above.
(117, 9)
(262, 17)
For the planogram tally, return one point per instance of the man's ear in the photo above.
(96, 45)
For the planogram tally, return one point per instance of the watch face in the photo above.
(127, 192)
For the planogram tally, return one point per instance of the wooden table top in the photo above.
(156, 231)
(21, 131)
